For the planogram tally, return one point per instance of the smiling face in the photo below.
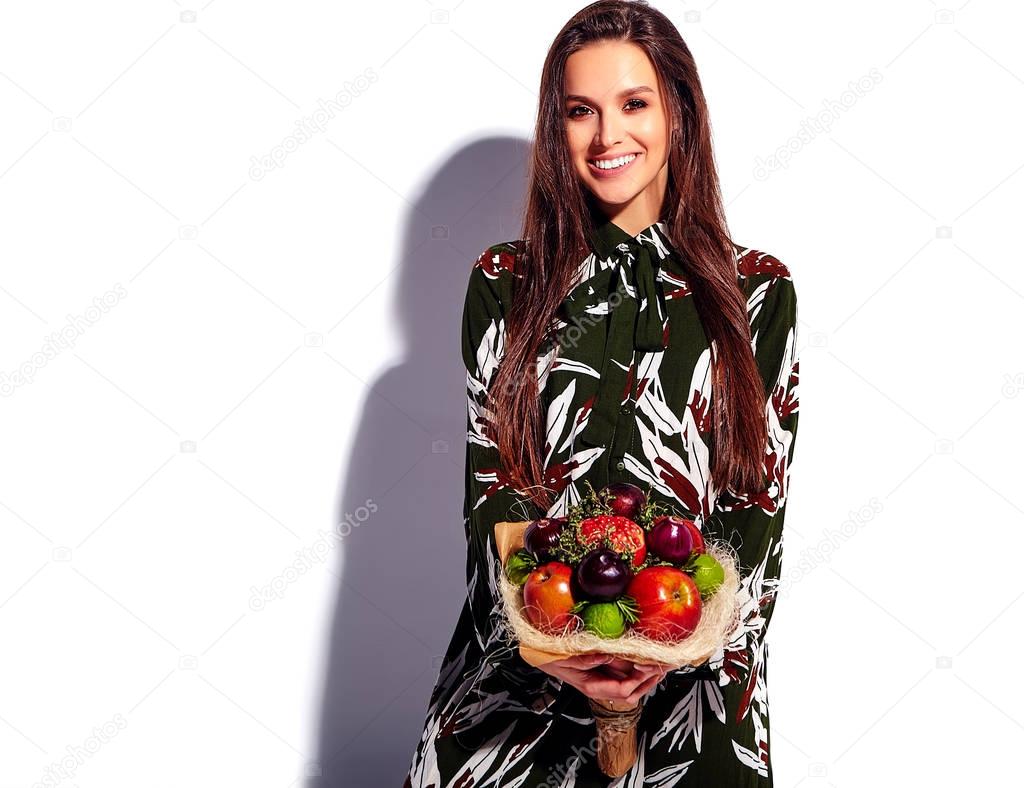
(618, 130)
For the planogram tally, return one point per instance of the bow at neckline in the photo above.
(625, 289)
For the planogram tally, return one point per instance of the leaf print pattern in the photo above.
(492, 719)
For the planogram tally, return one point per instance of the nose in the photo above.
(609, 130)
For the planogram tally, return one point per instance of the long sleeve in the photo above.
(753, 523)
(490, 497)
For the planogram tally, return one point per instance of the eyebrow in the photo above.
(623, 94)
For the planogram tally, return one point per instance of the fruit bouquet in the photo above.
(618, 575)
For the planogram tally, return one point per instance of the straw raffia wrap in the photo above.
(719, 616)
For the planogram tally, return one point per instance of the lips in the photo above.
(613, 158)
(614, 171)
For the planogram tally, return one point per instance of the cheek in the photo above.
(577, 138)
(651, 134)
(653, 139)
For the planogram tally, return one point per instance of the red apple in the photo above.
(668, 601)
(625, 499)
(548, 599)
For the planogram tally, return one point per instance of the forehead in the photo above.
(603, 69)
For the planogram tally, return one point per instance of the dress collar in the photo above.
(606, 240)
(606, 236)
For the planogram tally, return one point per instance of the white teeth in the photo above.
(611, 164)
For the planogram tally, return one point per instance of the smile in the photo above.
(608, 167)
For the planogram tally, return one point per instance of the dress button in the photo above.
(626, 409)
(620, 465)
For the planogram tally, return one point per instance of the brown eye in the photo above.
(573, 113)
(637, 101)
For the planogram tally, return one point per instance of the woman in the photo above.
(637, 344)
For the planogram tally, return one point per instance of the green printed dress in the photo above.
(626, 388)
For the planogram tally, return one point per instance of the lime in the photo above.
(604, 619)
(708, 574)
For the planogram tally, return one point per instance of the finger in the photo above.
(618, 689)
(585, 661)
(597, 686)
(588, 676)
(629, 667)
(636, 673)
(621, 664)
(618, 666)
(594, 660)
(637, 680)
(643, 689)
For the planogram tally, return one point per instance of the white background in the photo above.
(281, 348)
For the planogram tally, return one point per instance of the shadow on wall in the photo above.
(402, 566)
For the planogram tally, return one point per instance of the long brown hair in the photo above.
(557, 213)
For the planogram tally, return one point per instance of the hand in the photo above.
(605, 677)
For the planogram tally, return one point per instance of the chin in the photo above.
(615, 194)
(616, 199)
